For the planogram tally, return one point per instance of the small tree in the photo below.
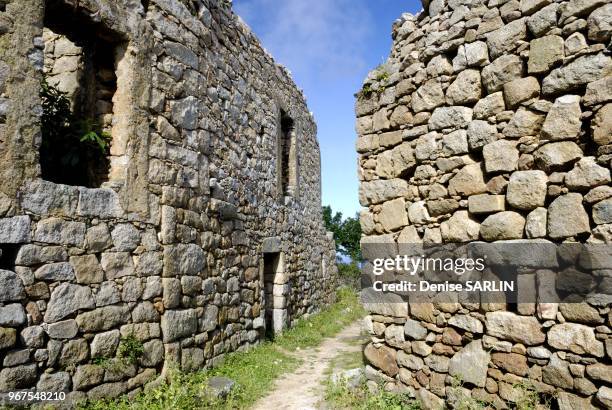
(347, 233)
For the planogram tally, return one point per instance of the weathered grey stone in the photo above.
(44, 198)
(557, 154)
(105, 344)
(125, 237)
(557, 373)
(455, 143)
(19, 377)
(476, 54)
(510, 326)
(465, 89)
(500, 155)
(602, 125)
(87, 269)
(74, 352)
(535, 226)
(567, 217)
(11, 286)
(574, 44)
(480, 133)
(604, 396)
(527, 189)
(578, 8)
(580, 312)
(55, 272)
(375, 192)
(66, 299)
(33, 336)
(490, 105)
(470, 364)
(467, 323)
(414, 330)
(544, 53)
(103, 318)
(149, 264)
(602, 212)
(66, 329)
(153, 353)
(587, 174)
(426, 146)
(87, 375)
(428, 96)
(98, 238)
(185, 112)
(542, 21)
(563, 119)
(583, 70)
(176, 324)
(450, 117)
(521, 89)
(459, 228)
(12, 315)
(117, 264)
(468, 181)
(524, 122)
(108, 294)
(393, 163)
(107, 391)
(598, 194)
(486, 204)
(418, 214)
(185, 259)
(600, 28)
(15, 229)
(598, 92)
(99, 202)
(29, 255)
(505, 39)
(59, 231)
(132, 290)
(502, 225)
(579, 339)
(153, 288)
(58, 382)
(600, 371)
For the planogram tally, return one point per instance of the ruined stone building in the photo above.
(492, 121)
(198, 229)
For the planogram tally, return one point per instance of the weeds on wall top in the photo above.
(381, 82)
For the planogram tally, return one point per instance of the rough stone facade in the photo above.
(491, 120)
(208, 228)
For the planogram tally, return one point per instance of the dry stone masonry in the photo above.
(492, 121)
(204, 231)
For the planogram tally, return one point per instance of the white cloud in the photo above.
(315, 39)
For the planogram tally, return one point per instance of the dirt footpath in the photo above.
(304, 388)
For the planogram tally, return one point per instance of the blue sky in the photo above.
(329, 46)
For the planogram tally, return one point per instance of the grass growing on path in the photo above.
(342, 397)
(254, 371)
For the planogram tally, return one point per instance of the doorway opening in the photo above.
(276, 294)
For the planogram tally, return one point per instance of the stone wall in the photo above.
(491, 120)
(170, 250)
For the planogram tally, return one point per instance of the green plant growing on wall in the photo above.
(130, 349)
(381, 81)
(70, 146)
